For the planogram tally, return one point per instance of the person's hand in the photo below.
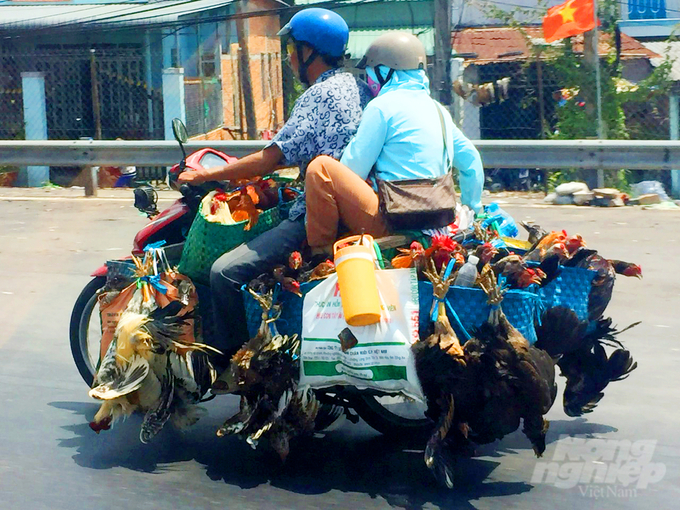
(192, 177)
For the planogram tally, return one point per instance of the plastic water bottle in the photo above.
(467, 275)
(506, 224)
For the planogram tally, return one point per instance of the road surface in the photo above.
(50, 459)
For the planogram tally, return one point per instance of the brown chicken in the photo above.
(546, 246)
(245, 210)
(481, 391)
(626, 268)
(516, 272)
(485, 253)
(413, 257)
(574, 243)
(265, 371)
(288, 283)
(316, 269)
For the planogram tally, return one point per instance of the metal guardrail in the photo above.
(553, 154)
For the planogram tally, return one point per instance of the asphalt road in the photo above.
(50, 459)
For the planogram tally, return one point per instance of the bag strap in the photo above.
(447, 160)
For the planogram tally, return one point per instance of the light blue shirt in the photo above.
(400, 137)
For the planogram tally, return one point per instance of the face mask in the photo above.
(372, 81)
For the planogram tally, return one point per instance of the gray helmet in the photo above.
(397, 50)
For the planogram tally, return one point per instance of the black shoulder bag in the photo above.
(420, 203)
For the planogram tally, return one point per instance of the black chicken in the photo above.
(583, 360)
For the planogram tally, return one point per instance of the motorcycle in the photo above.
(388, 414)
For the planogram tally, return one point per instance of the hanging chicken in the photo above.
(151, 365)
(147, 368)
(580, 350)
(265, 372)
(532, 369)
(446, 382)
(603, 283)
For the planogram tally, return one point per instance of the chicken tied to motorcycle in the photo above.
(469, 323)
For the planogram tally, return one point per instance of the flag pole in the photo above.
(600, 123)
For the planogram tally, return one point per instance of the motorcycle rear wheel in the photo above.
(390, 417)
(85, 350)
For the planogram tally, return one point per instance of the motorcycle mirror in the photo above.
(180, 131)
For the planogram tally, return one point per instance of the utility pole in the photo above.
(442, 51)
(96, 107)
(591, 58)
(244, 73)
(89, 172)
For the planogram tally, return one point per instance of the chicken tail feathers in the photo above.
(620, 364)
(589, 372)
(601, 331)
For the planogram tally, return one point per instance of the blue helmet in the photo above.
(323, 30)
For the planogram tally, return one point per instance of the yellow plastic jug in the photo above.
(355, 265)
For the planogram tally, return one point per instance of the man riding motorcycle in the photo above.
(400, 137)
(323, 121)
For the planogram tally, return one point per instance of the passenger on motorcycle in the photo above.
(323, 121)
(400, 137)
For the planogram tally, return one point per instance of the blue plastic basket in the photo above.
(470, 304)
(570, 289)
(290, 321)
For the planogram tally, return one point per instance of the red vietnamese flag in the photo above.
(570, 18)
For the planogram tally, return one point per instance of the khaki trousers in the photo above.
(335, 195)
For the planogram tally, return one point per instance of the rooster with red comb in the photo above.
(443, 249)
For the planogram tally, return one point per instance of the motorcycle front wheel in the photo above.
(85, 330)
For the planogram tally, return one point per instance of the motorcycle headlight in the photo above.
(146, 199)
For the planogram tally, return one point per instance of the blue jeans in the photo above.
(236, 268)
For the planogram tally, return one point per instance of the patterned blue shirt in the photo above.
(324, 119)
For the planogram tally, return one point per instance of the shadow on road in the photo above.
(352, 459)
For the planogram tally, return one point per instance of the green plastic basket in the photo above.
(207, 241)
